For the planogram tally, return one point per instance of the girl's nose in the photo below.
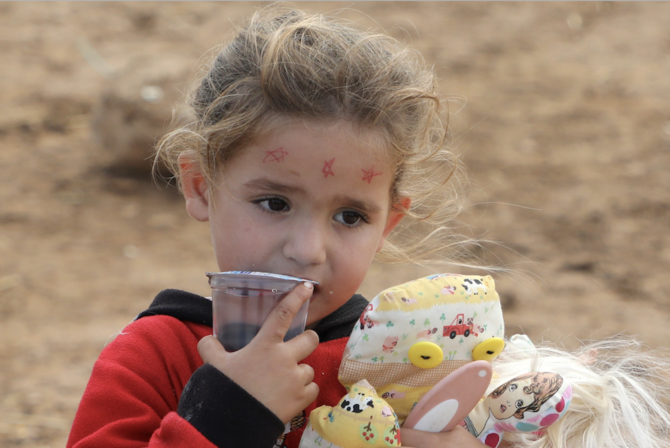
(306, 245)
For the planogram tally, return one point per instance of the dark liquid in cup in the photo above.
(235, 336)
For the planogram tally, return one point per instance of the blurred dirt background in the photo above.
(566, 134)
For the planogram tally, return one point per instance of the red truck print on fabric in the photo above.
(458, 326)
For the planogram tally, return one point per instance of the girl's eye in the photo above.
(350, 218)
(512, 387)
(519, 403)
(273, 204)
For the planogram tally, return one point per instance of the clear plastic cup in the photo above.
(242, 300)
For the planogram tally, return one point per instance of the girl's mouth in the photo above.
(317, 289)
(503, 408)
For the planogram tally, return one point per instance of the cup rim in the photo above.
(254, 275)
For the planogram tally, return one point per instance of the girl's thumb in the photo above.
(210, 349)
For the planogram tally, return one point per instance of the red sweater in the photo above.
(150, 388)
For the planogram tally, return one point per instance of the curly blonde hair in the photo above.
(620, 394)
(286, 64)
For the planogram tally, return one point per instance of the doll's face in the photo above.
(511, 400)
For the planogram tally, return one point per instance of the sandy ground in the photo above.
(566, 134)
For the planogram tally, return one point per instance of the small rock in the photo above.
(130, 251)
(135, 111)
(575, 21)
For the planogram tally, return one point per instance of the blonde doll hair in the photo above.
(287, 64)
(620, 394)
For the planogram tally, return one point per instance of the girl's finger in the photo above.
(303, 345)
(279, 321)
(311, 392)
(210, 349)
(308, 372)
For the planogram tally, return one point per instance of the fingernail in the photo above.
(308, 285)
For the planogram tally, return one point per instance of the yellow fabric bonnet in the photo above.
(412, 335)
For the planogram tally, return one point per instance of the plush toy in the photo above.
(433, 351)
(425, 347)
(361, 418)
(413, 335)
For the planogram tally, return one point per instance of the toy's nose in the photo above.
(425, 354)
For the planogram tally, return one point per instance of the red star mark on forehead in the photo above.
(328, 168)
(369, 174)
(276, 155)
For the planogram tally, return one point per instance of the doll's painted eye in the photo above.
(488, 349)
(425, 354)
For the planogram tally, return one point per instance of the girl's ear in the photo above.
(195, 188)
(396, 215)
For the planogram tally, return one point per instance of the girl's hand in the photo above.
(458, 437)
(268, 367)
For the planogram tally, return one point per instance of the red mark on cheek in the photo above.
(369, 174)
(328, 168)
(276, 155)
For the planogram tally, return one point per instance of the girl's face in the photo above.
(512, 399)
(308, 200)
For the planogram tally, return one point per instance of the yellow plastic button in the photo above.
(425, 355)
(488, 350)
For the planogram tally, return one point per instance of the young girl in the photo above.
(310, 141)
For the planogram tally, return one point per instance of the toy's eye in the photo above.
(488, 349)
(425, 354)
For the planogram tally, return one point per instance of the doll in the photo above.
(415, 340)
(527, 403)
(619, 395)
(423, 343)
